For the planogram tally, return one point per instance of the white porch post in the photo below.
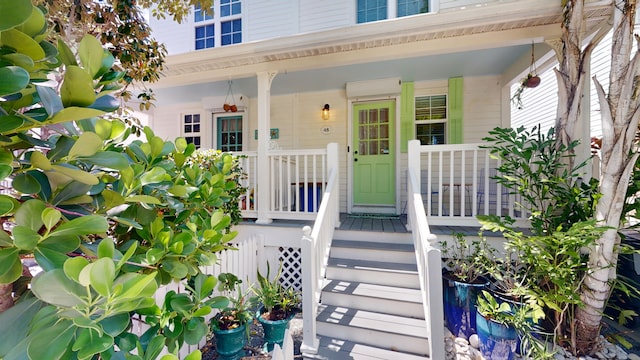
(263, 194)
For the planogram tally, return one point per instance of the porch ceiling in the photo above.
(477, 41)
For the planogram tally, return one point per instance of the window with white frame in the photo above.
(375, 10)
(192, 129)
(220, 27)
(431, 119)
(412, 7)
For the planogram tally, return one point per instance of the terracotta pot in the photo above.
(233, 108)
(532, 81)
(226, 107)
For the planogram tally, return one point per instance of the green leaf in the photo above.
(50, 100)
(22, 43)
(40, 161)
(87, 144)
(53, 342)
(169, 357)
(7, 204)
(102, 272)
(14, 13)
(66, 55)
(89, 343)
(195, 330)
(14, 79)
(35, 24)
(9, 123)
(10, 265)
(155, 175)
(115, 325)
(49, 259)
(107, 159)
(50, 217)
(73, 113)
(106, 103)
(195, 355)
(91, 54)
(15, 323)
(106, 248)
(74, 266)
(137, 286)
(154, 348)
(76, 174)
(77, 87)
(56, 288)
(25, 238)
(127, 342)
(26, 184)
(84, 225)
(143, 199)
(28, 214)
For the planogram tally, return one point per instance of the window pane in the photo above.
(431, 134)
(371, 10)
(204, 36)
(231, 32)
(412, 7)
(431, 107)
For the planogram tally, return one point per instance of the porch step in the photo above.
(374, 272)
(385, 331)
(339, 349)
(371, 250)
(374, 236)
(371, 297)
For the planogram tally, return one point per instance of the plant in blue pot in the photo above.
(279, 306)
(505, 330)
(466, 264)
(230, 324)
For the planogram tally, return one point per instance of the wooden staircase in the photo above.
(371, 306)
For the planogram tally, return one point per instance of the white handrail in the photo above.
(428, 257)
(315, 245)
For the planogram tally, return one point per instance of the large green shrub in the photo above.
(108, 219)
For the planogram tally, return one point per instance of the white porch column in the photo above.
(263, 194)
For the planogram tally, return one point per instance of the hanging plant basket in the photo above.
(531, 81)
(229, 105)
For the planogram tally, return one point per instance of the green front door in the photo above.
(373, 156)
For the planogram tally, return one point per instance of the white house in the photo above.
(328, 95)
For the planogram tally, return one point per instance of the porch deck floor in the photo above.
(388, 224)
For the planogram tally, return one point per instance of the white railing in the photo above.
(297, 179)
(316, 244)
(428, 257)
(458, 183)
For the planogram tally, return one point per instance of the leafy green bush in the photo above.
(109, 219)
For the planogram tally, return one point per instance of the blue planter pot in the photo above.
(230, 343)
(460, 306)
(497, 341)
(273, 330)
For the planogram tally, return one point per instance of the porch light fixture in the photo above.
(325, 112)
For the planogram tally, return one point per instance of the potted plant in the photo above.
(466, 265)
(230, 325)
(505, 329)
(278, 306)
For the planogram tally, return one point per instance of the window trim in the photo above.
(445, 121)
(217, 21)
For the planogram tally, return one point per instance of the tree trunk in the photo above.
(619, 111)
(6, 299)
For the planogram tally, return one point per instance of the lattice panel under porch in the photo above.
(291, 267)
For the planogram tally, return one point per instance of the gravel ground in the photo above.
(253, 349)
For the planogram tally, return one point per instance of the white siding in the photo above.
(481, 111)
(178, 38)
(539, 105)
(269, 19)
(317, 15)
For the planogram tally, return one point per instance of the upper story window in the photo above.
(221, 26)
(431, 119)
(375, 10)
(412, 7)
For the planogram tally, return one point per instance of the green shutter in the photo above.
(407, 103)
(456, 104)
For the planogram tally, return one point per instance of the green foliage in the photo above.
(535, 168)
(109, 219)
(239, 312)
(467, 262)
(279, 302)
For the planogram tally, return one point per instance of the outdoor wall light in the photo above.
(325, 112)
